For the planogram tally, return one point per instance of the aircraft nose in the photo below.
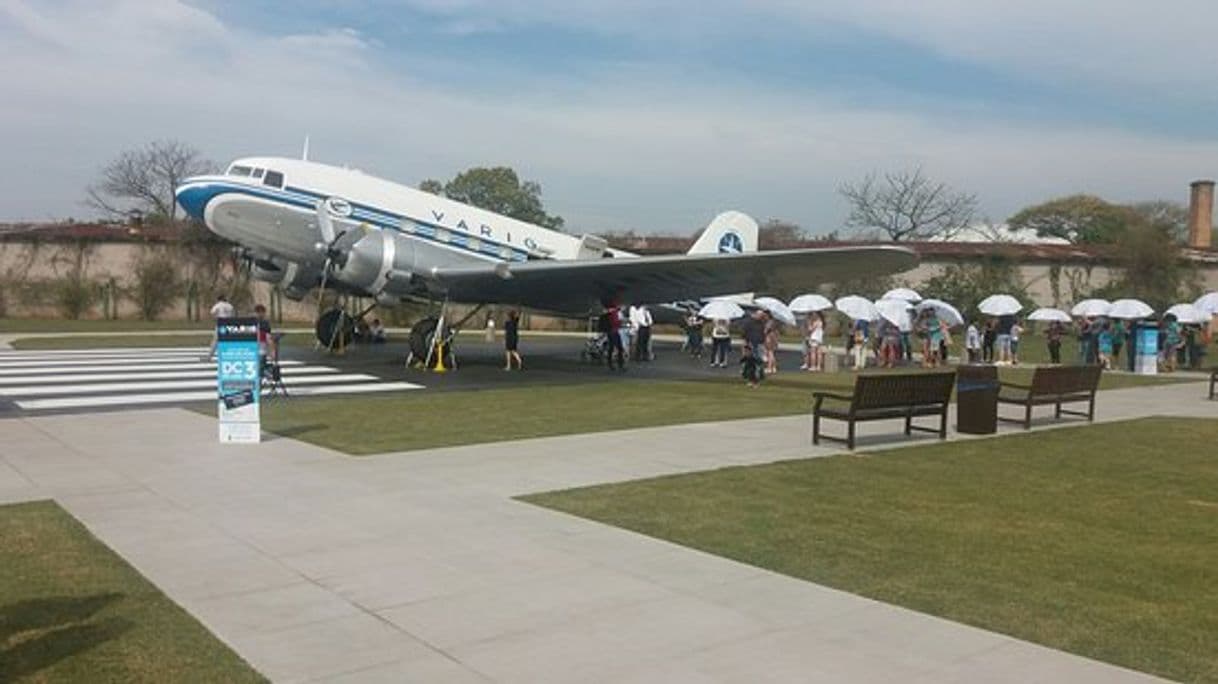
(193, 198)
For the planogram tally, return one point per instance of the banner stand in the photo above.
(1147, 360)
(238, 380)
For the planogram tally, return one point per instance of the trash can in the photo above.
(977, 400)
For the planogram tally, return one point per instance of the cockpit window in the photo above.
(239, 170)
(257, 173)
(273, 178)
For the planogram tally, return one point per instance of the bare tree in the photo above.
(144, 179)
(907, 205)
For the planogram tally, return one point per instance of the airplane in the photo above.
(303, 225)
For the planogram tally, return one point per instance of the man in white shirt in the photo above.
(221, 309)
(640, 322)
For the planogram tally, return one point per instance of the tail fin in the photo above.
(730, 233)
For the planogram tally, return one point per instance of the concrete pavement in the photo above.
(420, 567)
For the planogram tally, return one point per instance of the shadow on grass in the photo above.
(297, 430)
(60, 628)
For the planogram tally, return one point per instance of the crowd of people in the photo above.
(1113, 343)
(1109, 342)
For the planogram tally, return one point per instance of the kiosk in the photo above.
(238, 380)
(1147, 360)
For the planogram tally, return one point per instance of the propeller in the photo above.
(330, 236)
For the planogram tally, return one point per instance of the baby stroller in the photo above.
(595, 345)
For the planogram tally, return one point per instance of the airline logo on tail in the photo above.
(731, 243)
(729, 233)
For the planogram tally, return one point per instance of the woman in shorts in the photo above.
(814, 341)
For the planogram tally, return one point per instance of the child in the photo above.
(1104, 345)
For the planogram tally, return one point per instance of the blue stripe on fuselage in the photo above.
(194, 200)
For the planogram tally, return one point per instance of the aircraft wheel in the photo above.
(335, 329)
(420, 335)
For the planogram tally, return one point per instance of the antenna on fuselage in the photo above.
(304, 155)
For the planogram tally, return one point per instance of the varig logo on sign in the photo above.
(237, 329)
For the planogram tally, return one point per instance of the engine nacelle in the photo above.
(381, 264)
(294, 279)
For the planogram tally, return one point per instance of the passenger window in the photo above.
(257, 173)
(239, 171)
(273, 178)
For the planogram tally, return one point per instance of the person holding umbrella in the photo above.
(753, 360)
(1054, 338)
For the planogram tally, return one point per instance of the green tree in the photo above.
(497, 189)
(1151, 267)
(1077, 218)
(1171, 216)
(965, 285)
(156, 284)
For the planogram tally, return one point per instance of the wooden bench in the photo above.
(1053, 386)
(883, 396)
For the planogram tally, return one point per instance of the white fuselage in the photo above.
(269, 206)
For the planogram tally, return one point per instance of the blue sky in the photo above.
(631, 115)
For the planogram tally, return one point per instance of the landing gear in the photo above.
(335, 329)
(422, 337)
(431, 341)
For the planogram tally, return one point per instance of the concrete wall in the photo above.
(28, 269)
(32, 263)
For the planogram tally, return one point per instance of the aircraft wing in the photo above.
(579, 286)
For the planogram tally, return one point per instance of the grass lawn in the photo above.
(1099, 540)
(72, 610)
(422, 419)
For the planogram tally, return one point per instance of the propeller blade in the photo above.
(321, 291)
(325, 224)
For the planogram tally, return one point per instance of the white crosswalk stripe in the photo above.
(74, 378)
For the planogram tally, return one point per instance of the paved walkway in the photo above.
(420, 567)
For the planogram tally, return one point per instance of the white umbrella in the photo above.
(943, 310)
(857, 308)
(1208, 303)
(721, 309)
(895, 311)
(1187, 313)
(999, 305)
(1049, 314)
(1130, 308)
(809, 303)
(1091, 307)
(777, 309)
(903, 293)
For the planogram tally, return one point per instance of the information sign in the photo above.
(238, 380)
(1147, 360)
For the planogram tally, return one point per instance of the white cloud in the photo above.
(632, 149)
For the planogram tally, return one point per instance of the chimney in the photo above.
(1201, 214)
